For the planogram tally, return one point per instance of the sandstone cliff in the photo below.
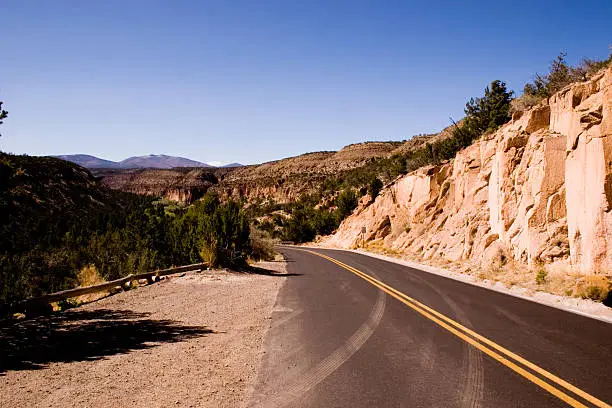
(539, 191)
(281, 180)
(177, 184)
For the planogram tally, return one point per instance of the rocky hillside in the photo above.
(177, 184)
(36, 192)
(285, 180)
(537, 191)
(282, 180)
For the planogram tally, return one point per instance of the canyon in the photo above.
(538, 191)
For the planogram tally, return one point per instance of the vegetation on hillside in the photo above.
(560, 75)
(310, 217)
(3, 115)
(57, 219)
(304, 219)
(322, 212)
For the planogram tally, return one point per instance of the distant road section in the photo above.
(349, 330)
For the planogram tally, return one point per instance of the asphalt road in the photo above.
(342, 339)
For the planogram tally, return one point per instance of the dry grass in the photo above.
(594, 287)
(262, 246)
(557, 279)
(89, 275)
(523, 103)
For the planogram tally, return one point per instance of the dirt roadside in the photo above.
(191, 341)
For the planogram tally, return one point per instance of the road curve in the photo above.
(349, 330)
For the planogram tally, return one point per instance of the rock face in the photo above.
(285, 180)
(178, 184)
(539, 190)
(281, 180)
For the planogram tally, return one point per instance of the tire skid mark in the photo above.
(473, 391)
(333, 361)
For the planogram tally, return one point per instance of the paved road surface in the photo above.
(339, 340)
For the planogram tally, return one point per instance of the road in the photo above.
(349, 330)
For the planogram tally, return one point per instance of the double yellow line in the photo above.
(489, 347)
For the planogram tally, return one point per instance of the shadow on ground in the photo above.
(85, 335)
(262, 271)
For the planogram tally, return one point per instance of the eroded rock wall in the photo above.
(539, 190)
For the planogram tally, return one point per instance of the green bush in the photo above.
(299, 227)
(561, 74)
(374, 187)
(44, 244)
(262, 246)
(541, 276)
(345, 203)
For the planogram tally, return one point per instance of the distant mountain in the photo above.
(89, 162)
(233, 165)
(159, 161)
(155, 161)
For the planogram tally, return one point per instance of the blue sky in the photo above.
(252, 81)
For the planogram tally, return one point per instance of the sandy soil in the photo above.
(193, 341)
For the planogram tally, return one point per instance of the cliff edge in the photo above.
(538, 191)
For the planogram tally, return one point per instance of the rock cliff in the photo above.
(281, 180)
(177, 184)
(538, 190)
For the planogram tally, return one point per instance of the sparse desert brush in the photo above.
(524, 102)
(262, 245)
(594, 287)
(209, 253)
(491, 272)
(89, 275)
(541, 276)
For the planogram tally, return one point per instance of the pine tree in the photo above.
(3, 114)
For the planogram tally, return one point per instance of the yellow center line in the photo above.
(462, 332)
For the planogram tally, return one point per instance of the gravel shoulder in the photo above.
(193, 340)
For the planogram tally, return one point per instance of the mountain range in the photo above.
(155, 161)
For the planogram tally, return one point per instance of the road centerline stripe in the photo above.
(477, 340)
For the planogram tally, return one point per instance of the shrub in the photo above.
(524, 102)
(299, 228)
(346, 202)
(3, 114)
(374, 187)
(541, 276)
(222, 231)
(209, 252)
(594, 287)
(262, 245)
(561, 74)
(484, 114)
(89, 275)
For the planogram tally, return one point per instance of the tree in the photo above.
(561, 75)
(374, 187)
(482, 115)
(346, 202)
(299, 227)
(3, 114)
(491, 111)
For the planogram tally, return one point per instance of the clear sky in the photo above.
(252, 81)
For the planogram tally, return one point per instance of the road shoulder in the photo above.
(194, 339)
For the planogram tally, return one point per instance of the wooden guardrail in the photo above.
(40, 303)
